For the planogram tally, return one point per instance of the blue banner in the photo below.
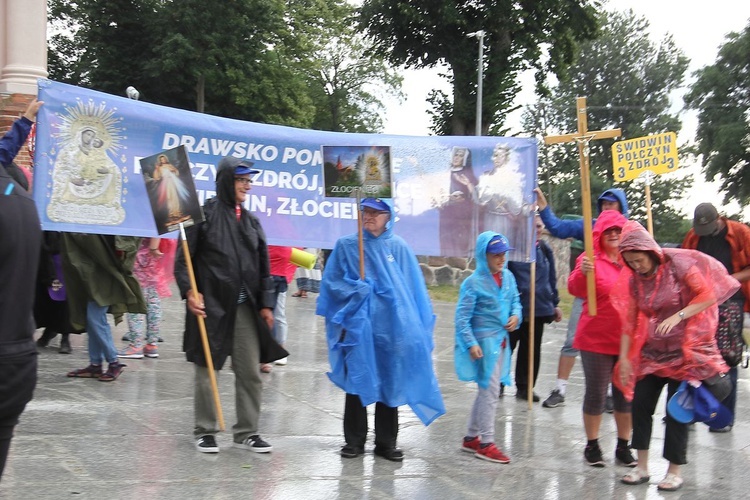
(446, 189)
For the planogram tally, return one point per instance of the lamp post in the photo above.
(480, 70)
(132, 93)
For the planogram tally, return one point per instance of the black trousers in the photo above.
(647, 392)
(521, 337)
(355, 423)
(17, 383)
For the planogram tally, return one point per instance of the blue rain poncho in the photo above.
(379, 329)
(482, 312)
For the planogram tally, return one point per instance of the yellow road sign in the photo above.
(657, 153)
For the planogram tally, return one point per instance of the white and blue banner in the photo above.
(87, 175)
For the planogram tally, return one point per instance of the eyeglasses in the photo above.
(369, 212)
(243, 180)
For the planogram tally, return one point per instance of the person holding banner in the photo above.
(235, 295)
(20, 247)
(379, 331)
(668, 301)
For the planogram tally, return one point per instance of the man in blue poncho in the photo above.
(379, 332)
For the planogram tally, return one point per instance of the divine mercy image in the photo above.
(171, 190)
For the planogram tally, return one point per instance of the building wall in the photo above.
(11, 107)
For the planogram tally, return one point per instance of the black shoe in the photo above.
(351, 451)
(207, 444)
(393, 454)
(254, 443)
(43, 341)
(554, 400)
(593, 456)
(65, 345)
(522, 394)
(623, 456)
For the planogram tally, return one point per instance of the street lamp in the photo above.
(132, 93)
(480, 68)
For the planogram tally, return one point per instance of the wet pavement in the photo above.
(133, 438)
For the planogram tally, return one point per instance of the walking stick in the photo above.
(202, 329)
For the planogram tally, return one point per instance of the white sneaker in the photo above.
(282, 361)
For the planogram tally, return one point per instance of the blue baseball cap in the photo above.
(498, 244)
(608, 197)
(697, 404)
(375, 203)
(708, 409)
(680, 406)
(241, 167)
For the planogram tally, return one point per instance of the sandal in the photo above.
(91, 371)
(670, 482)
(300, 294)
(636, 476)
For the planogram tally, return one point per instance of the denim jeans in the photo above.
(101, 344)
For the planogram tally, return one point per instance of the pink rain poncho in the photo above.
(683, 277)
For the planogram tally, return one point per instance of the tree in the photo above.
(424, 33)
(721, 94)
(346, 84)
(100, 43)
(627, 80)
(267, 61)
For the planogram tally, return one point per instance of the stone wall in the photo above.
(452, 271)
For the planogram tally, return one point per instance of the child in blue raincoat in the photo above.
(489, 306)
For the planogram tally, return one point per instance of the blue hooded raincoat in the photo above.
(562, 229)
(482, 311)
(379, 330)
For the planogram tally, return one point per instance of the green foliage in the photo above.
(268, 61)
(627, 80)
(424, 33)
(721, 94)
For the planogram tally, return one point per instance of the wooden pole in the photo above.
(532, 325)
(202, 330)
(648, 176)
(360, 238)
(582, 138)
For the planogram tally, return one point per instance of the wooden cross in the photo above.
(582, 138)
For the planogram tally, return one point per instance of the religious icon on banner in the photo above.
(171, 190)
(500, 191)
(349, 169)
(87, 184)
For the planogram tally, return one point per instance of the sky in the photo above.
(697, 31)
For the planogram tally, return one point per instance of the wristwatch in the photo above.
(681, 314)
